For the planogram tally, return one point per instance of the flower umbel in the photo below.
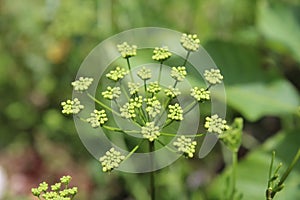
(153, 87)
(144, 73)
(117, 74)
(98, 118)
(175, 112)
(150, 131)
(215, 124)
(71, 106)
(82, 83)
(186, 146)
(200, 94)
(126, 50)
(178, 73)
(161, 54)
(133, 87)
(172, 92)
(190, 42)
(153, 106)
(111, 160)
(112, 93)
(213, 76)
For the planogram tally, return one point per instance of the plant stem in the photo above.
(232, 188)
(129, 68)
(152, 178)
(186, 58)
(160, 69)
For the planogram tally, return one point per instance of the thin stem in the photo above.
(270, 169)
(160, 69)
(119, 130)
(186, 58)
(233, 173)
(129, 68)
(134, 150)
(174, 135)
(191, 105)
(152, 177)
(164, 145)
(102, 104)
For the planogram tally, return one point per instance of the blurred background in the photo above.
(255, 43)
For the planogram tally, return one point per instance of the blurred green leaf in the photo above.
(256, 100)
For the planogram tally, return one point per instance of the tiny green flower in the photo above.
(215, 124)
(50, 195)
(137, 101)
(43, 187)
(175, 112)
(153, 106)
(200, 94)
(190, 42)
(144, 73)
(127, 111)
(133, 87)
(178, 73)
(186, 146)
(56, 187)
(161, 54)
(213, 76)
(82, 84)
(111, 93)
(71, 106)
(111, 160)
(65, 179)
(68, 192)
(98, 118)
(150, 131)
(117, 74)
(153, 87)
(126, 50)
(172, 92)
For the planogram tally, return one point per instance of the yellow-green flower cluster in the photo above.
(71, 106)
(172, 92)
(128, 110)
(150, 131)
(178, 73)
(56, 192)
(213, 76)
(117, 74)
(153, 106)
(126, 50)
(161, 54)
(185, 145)
(111, 160)
(190, 42)
(215, 124)
(133, 87)
(144, 73)
(175, 112)
(153, 87)
(98, 118)
(82, 84)
(200, 94)
(112, 93)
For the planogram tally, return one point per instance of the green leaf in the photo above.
(255, 100)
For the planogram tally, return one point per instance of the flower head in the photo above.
(112, 93)
(161, 54)
(190, 42)
(172, 92)
(128, 109)
(178, 73)
(216, 124)
(82, 84)
(98, 118)
(133, 87)
(213, 76)
(175, 112)
(186, 146)
(117, 74)
(71, 106)
(150, 131)
(144, 73)
(111, 160)
(153, 87)
(153, 106)
(126, 50)
(200, 94)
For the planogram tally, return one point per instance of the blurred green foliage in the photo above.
(255, 43)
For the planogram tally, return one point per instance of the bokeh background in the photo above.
(256, 44)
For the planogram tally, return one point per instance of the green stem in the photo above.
(164, 145)
(160, 69)
(133, 150)
(233, 174)
(190, 107)
(129, 68)
(186, 58)
(270, 169)
(174, 135)
(119, 130)
(152, 177)
(103, 105)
